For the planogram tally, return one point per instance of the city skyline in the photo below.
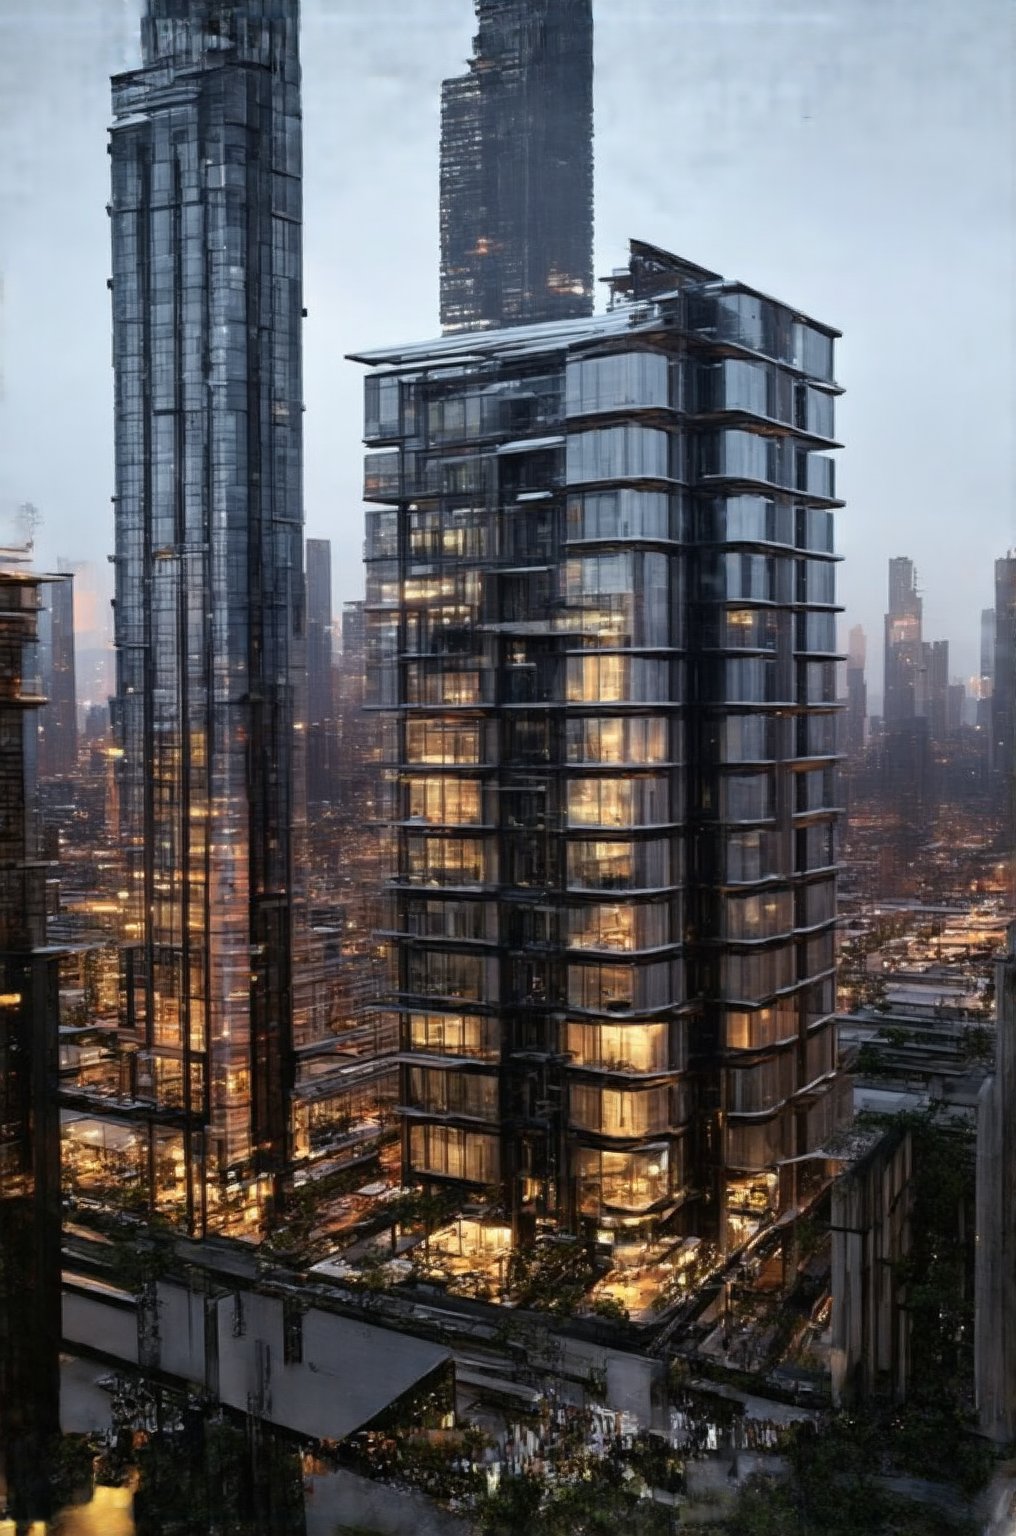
(560, 1017)
(906, 170)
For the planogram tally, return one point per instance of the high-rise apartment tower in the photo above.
(209, 621)
(517, 169)
(601, 626)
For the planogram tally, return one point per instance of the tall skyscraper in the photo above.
(601, 626)
(58, 719)
(29, 1072)
(857, 691)
(209, 618)
(937, 687)
(986, 679)
(517, 169)
(1003, 697)
(321, 725)
(904, 657)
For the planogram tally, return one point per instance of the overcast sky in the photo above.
(853, 157)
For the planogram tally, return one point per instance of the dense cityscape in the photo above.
(530, 1049)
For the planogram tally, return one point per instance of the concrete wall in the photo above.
(101, 1322)
(349, 1371)
(182, 1332)
(870, 1223)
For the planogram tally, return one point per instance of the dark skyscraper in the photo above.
(209, 622)
(936, 668)
(610, 681)
(857, 691)
(986, 680)
(58, 720)
(321, 727)
(29, 1069)
(904, 656)
(1003, 697)
(517, 169)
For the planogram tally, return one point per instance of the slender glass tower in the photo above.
(209, 620)
(517, 169)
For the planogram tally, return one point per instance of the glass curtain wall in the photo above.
(209, 617)
(606, 650)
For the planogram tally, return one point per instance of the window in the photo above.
(618, 453)
(747, 738)
(454, 1152)
(622, 1047)
(746, 797)
(624, 1181)
(599, 679)
(455, 1034)
(816, 581)
(455, 1092)
(622, 514)
(757, 974)
(620, 865)
(757, 1146)
(761, 916)
(445, 861)
(443, 973)
(445, 801)
(626, 988)
(752, 1031)
(619, 739)
(442, 741)
(619, 1111)
(626, 379)
(752, 1090)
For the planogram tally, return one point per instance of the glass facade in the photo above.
(517, 176)
(603, 640)
(209, 609)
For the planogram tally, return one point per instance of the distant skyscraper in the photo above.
(987, 642)
(986, 680)
(29, 1074)
(857, 691)
(904, 659)
(58, 719)
(207, 296)
(937, 688)
(1003, 696)
(517, 169)
(609, 677)
(320, 681)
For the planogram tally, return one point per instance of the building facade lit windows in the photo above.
(600, 629)
(209, 618)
